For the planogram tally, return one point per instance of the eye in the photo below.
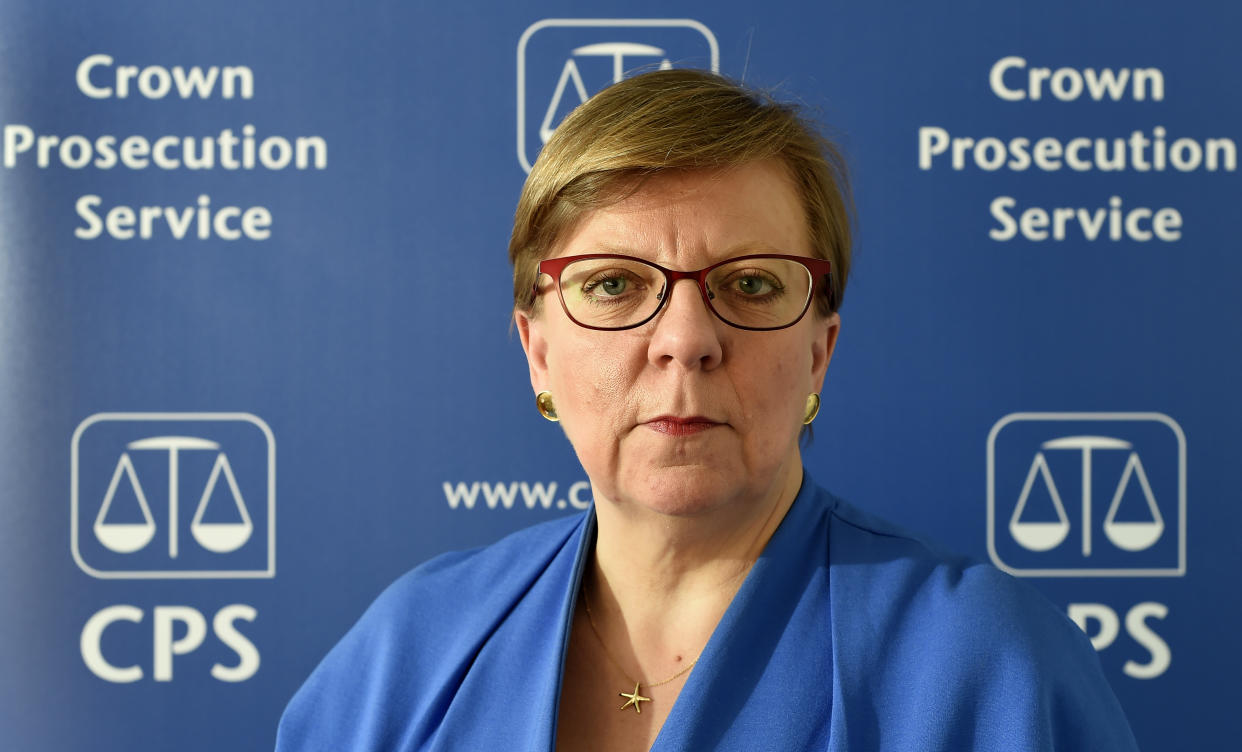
(753, 285)
(614, 285)
(611, 285)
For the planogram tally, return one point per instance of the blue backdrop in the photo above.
(255, 359)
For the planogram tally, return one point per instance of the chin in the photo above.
(684, 491)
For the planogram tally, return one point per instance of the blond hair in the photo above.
(676, 120)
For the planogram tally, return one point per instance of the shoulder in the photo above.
(960, 635)
(903, 584)
(380, 684)
(877, 551)
(489, 574)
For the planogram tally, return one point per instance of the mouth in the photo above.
(672, 425)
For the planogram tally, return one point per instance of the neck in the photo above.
(660, 583)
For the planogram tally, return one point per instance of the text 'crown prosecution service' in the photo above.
(100, 77)
(1150, 149)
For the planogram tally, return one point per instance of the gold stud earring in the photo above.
(543, 403)
(812, 409)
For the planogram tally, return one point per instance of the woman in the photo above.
(680, 250)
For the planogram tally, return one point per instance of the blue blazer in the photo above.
(847, 634)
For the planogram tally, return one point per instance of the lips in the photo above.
(672, 425)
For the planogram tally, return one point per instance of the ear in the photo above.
(530, 332)
(825, 341)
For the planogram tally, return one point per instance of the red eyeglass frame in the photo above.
(820, 269)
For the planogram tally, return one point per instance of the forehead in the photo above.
(693, 218)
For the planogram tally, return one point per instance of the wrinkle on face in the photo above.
(606, 384)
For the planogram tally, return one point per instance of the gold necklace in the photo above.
(631, 698)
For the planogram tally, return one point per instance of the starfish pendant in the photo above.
(633, 698)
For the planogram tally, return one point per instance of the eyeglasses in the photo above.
(759, 293)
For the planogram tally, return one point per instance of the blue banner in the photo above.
(256, 360)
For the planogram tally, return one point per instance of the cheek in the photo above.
(592, 381)
(775, 395)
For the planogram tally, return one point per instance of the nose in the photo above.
(686, 332)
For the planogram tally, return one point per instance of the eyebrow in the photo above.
(743, 248)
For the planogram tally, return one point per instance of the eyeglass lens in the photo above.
(758, 293)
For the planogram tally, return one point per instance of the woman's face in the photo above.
(684, 413)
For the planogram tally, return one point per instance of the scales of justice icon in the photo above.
(618, 51)
(1045, 536)
(129, 537)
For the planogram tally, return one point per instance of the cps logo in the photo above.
(561, 62)
(173, 496)
(1087, 495)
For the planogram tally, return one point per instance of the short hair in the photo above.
(676, 120)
